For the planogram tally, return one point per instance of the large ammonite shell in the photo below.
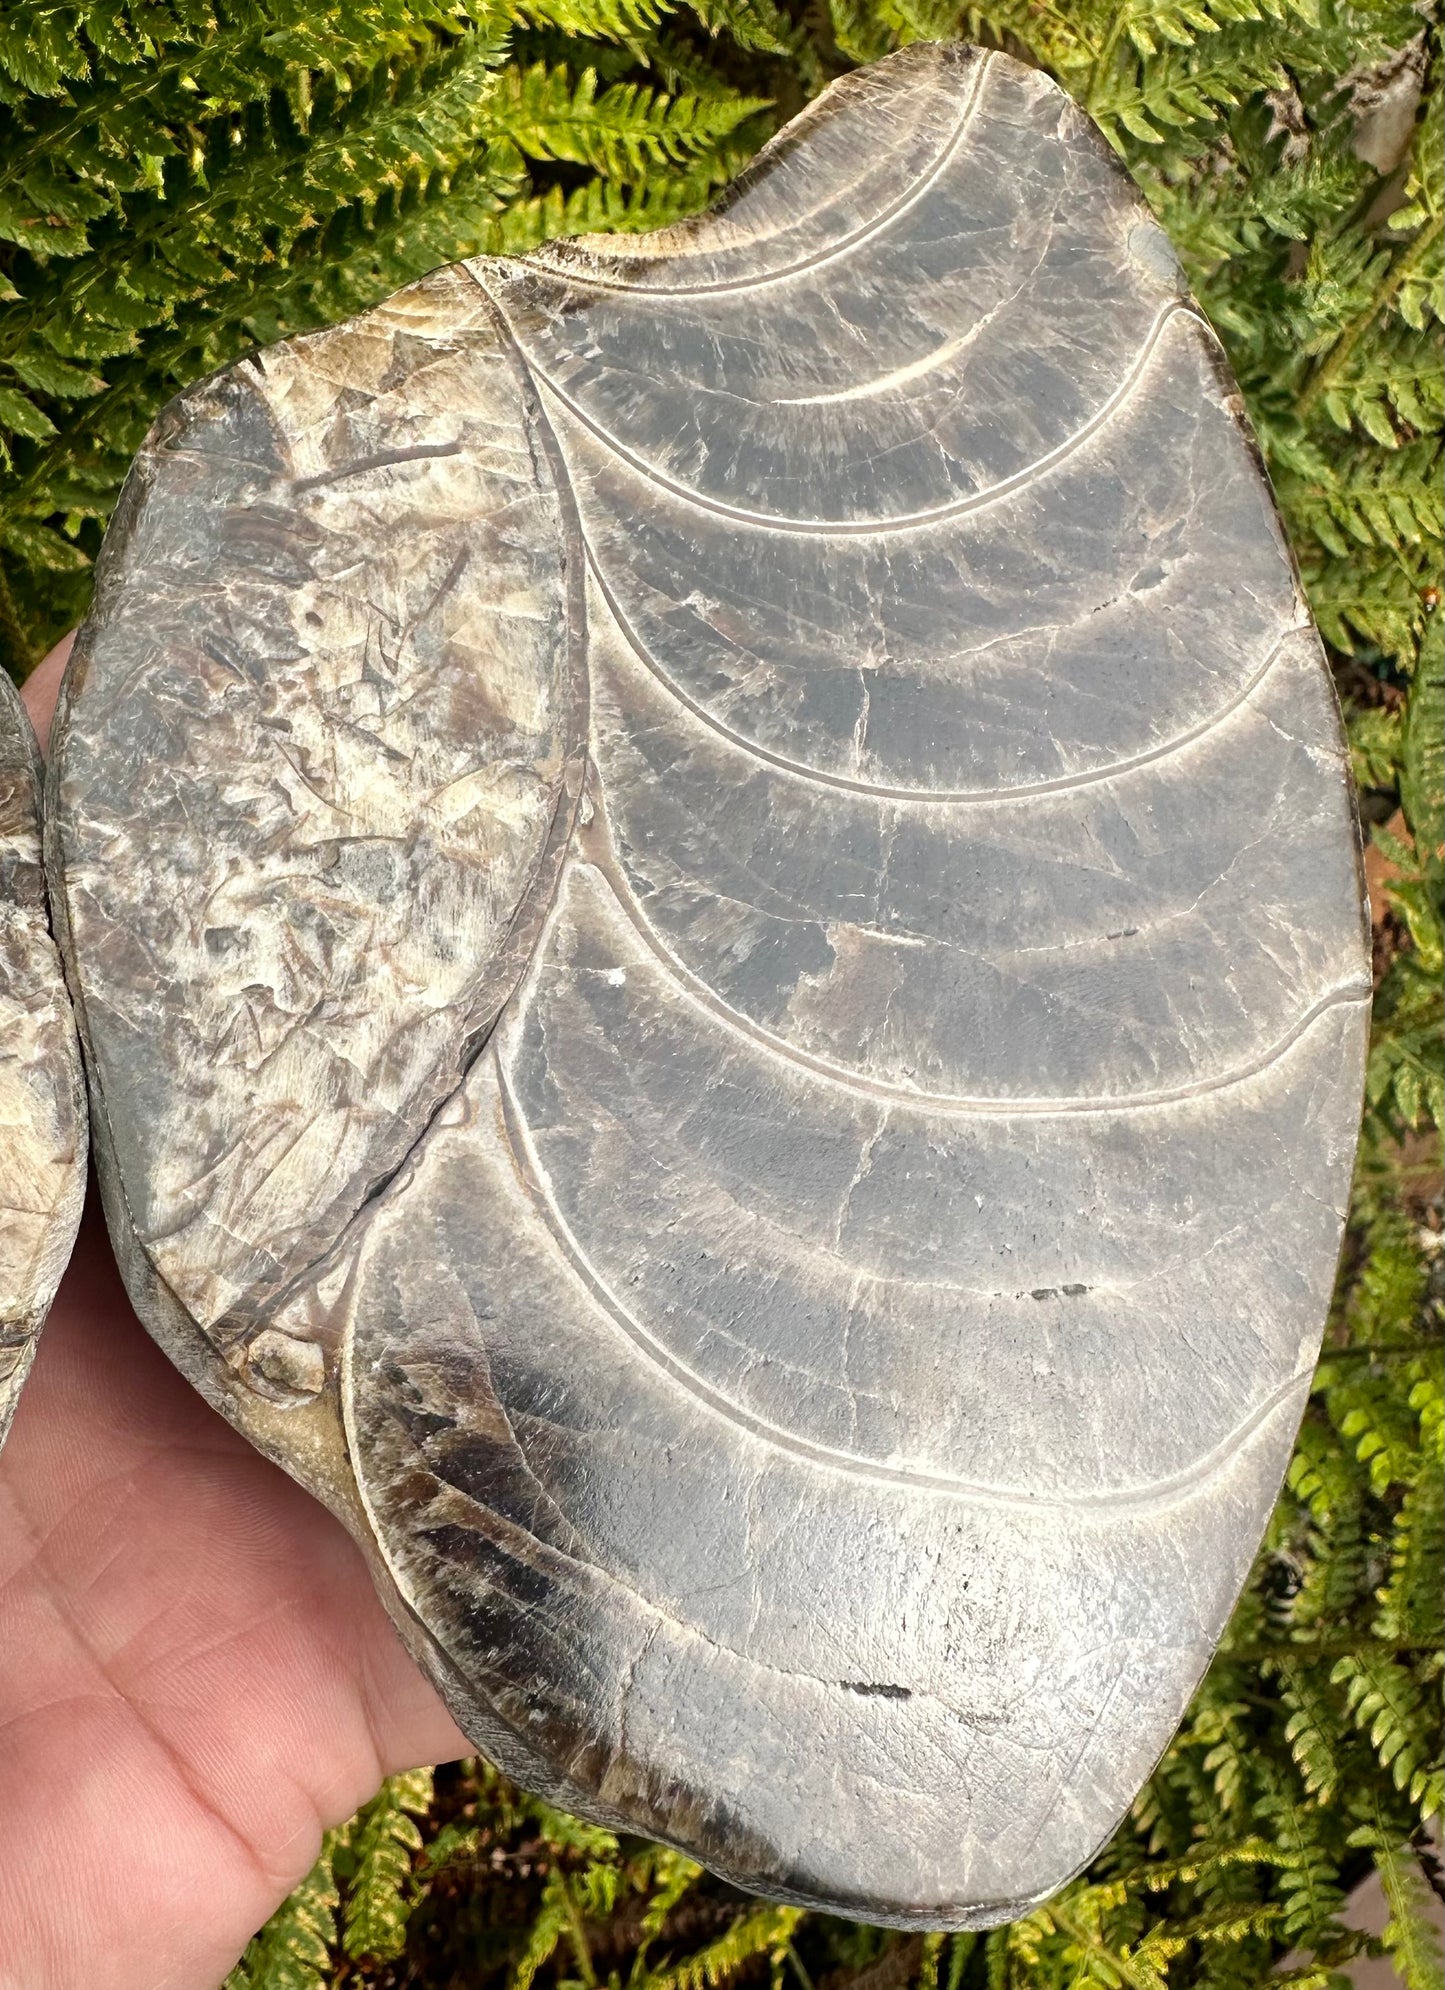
(717, 906)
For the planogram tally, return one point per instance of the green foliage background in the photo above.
(182, 179)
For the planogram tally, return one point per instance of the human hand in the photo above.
(196, 1675)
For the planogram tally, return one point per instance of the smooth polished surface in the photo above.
(42, 1094)
(717, 906)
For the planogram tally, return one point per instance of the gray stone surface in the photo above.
(718, 913)
(42, 1095)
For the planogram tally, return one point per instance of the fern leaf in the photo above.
(383, 1844)
(549, 1924)
(1410, 1937)
(622, 131)
(1422, 777)
(1312, 1897)
(1385, 1702)
(1314, 1728)
(765, 1931)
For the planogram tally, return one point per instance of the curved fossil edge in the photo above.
(45, 1042)
(309, 1444)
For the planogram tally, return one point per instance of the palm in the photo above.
(195, 1673)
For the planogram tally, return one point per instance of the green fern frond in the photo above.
(762, 26)
(1386, 1702)
(381, 1847)
(1312, 1895)
(1314, 1727)
(621, 132)
(1412, 1603)
(1391, 385)
(550, 1922)
(1388, 501)
(671, 1876)
(1410, 1937)
(765, 1931)
(628, 21)
(1422, 772)
(861, 30)
(1377, 745)
(1370, 1415)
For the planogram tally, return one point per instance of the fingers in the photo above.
(187, 1639)
(42, 687)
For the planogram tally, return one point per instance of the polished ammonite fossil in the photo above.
(713, 895)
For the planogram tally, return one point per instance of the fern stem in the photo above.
(1381, 1351)
(1094, 1950)
(1102, 60)
(577, 1934)
(1340, 354)
(1329, 1648)
(799, 1970)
